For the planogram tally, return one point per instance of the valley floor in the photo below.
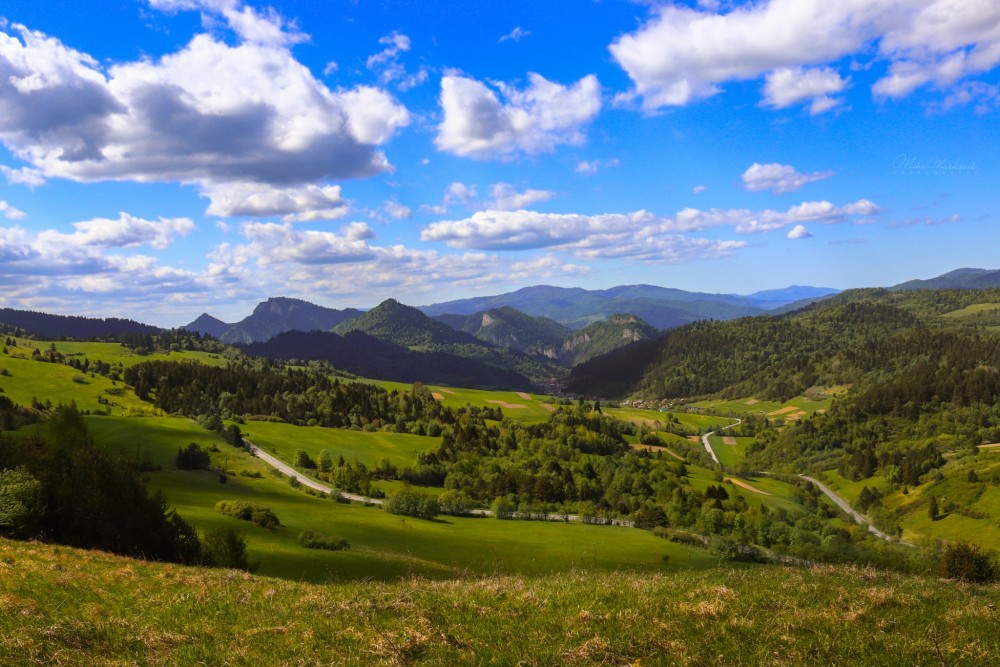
(69, 607)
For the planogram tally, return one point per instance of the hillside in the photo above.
(362, 354)
(116, 610)
(72, 326)
(957, 279)
(406, 326)
(601, 337)
(509, 327)
(280, 314)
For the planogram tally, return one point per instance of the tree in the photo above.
(303, 460)
(193, 457)
(325, 462)
(968, 562)
(932, 508)
(225, 547)
(21, 503)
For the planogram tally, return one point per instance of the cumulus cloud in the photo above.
(32, 178)
(304, 203)
(790, 85)
(397, 211)
(698, 189)
(684, 54)
(638, 234)
(593, 166)
(506, 197)
(10, 212)
(799, 232)
(127, 231)
(211, 114)
(536, 119)
(779, 177)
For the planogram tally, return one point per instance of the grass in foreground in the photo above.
(62, 606)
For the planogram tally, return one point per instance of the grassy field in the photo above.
(974, 309)
(26, 380)
(112, 353)
(773, 409)
(384, 546)
(284, 440)
(70, 607)
(695, 423)
(731, 456)
(525, 408)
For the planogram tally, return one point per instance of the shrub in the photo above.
(21, 503)
(240, 509)
(456, 503)
(193, 457)
(503, 508)
(224, 547)
(312, 540)
(968, 562)
(412, 503)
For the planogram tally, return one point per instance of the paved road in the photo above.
(278, 464)
(708, 446)
(842, 504)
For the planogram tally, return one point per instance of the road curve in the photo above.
(842, 504)
(280, 465)
(708, 446)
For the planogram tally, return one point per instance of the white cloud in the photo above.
(593, 166)
(506, 197)
(533, 120)
(698, 189)
(10, 212)
(266, 27)
(127, 231)
(790, 85)
(331, 68)
(211, 114)
(294, 203)
(517, 34)
(799, 232)
(779, 177)
(639, 234)
(457, 193)
(32, 178)
(396, 210)
(390, 70)
(684, 54)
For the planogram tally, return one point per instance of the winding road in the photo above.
(708, 446)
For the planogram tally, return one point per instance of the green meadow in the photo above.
(815, 402)
(112, 353)
(519, 406)
(693, 422)
(731, 456)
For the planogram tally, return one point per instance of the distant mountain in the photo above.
(601, 338)
(208, 325)
(779, 298)
(575, 307)
(403, 325)
(406, 326)
(957, 279)
(509, 327)
(72, 326)
(280, 314)
(362, 354)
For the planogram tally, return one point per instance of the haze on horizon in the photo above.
(161, 158)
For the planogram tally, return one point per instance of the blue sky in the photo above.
(160, 158)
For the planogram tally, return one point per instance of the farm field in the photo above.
(694, 423)
(730, 450)
(519, 406)
(796, 408)
(112, 353)
(284, 440)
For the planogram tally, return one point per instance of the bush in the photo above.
(412, 503)
(503, 508)
(21, 503)
(968, 562)
(456, 503)
(193, 457)
(312, 540)
(225, 547)
(240, 509)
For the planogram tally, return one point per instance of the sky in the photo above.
(164, 158)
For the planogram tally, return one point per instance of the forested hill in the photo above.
(782, 356)
(72, 326)
(361, 354)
